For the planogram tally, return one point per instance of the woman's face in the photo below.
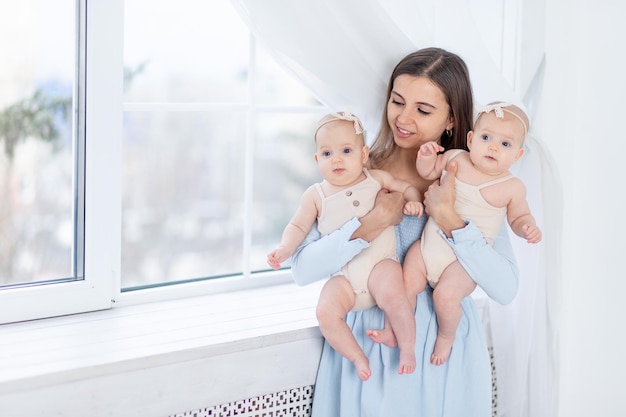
(417, 111)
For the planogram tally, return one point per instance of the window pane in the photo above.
(37, 184)
(183, 190)
(190, 162)
(284, 168)
(184, 51)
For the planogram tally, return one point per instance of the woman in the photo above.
(429, 98)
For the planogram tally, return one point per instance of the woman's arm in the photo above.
(493, 268)
(317, 258)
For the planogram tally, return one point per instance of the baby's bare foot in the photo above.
(442, 349)
(384, 336)
(362, 365)
(407, 362)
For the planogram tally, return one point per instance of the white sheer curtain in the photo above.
(344, 52)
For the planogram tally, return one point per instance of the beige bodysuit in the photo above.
(470, 205)
(337, 209)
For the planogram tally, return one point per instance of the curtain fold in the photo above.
(344, 51)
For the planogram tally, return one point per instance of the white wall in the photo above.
(581, 121)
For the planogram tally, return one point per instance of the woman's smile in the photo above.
(403, 133)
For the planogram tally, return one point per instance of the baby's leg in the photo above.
(454, 285)
(414, 275)
(385, 335)
(336, 300)
(387, 287)
(414, 272)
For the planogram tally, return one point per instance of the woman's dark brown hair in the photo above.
(447, 71)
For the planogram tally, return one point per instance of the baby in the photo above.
(486, 194)
(374, 276)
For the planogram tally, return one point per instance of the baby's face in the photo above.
(496, 144)
(340, 153)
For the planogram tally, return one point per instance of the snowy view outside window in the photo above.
(217, 144)
(37, 143)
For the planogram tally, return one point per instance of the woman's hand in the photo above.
(387, 212)
(439, 202)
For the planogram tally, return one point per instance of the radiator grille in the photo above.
(494, 385)
(295, 402)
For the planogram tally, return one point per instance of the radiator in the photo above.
(294, 402)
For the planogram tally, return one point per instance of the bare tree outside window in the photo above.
(37, 166)
(42, 119)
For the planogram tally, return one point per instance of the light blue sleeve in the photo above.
(317, 258)
(493, 268)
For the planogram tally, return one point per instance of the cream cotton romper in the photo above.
(337, 209)
(470, 205)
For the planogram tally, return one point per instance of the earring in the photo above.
(449, 133)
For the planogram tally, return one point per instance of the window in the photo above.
(185, 155)
(70, 183)
(216, 144)
(39, 137)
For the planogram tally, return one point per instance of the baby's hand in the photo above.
(276, 257)
(429, 149)
(413, 208)
(532, 233)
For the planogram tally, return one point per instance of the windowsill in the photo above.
(164, 357)
(54, 351)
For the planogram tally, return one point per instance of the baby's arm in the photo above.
(430, 163)
(296, 230)
(520, 219)
(411, 194)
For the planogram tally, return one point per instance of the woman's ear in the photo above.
(451, 123)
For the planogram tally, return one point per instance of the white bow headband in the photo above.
(499, 109)
(358, 127)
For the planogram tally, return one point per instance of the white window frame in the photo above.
(102, 129)
(103, 104)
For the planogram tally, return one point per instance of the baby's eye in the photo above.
(326, 154)
(485, 137)
(506, 144)
(347, 151)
